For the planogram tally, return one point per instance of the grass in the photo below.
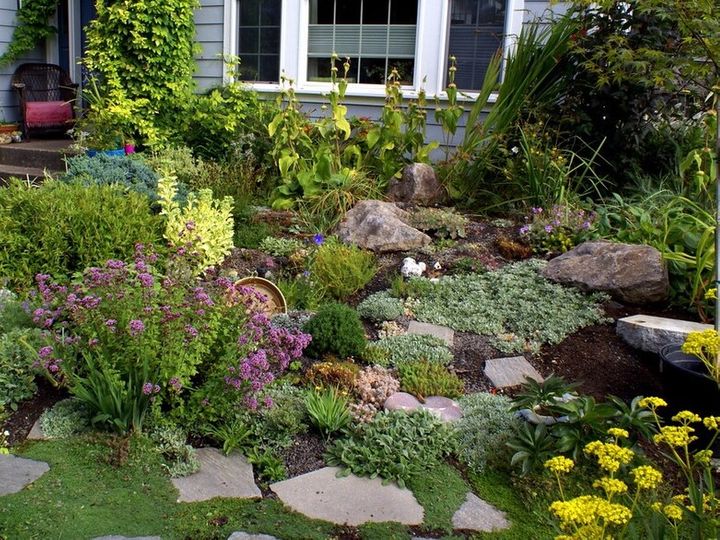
(85, 496)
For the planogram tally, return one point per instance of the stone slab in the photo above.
(117, 537)
(219, 476)
(350, 500)
(649, 333)
(442, 332)
(504, 372)
(478, 515)
(17, 472)
(240, 535)
(36, 433)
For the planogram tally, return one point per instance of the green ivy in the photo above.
(144, 49)
(32, 27)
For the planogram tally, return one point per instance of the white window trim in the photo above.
(430, 49)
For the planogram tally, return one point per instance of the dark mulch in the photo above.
(471, 351)
(304, 455)
(21, 421)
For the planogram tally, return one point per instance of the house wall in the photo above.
(8, 99)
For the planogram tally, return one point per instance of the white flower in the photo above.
(514, 149)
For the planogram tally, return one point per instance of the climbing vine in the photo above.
(32, 28)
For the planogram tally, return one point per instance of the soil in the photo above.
(305, 455)
(21, 421)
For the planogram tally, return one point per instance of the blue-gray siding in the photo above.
(209, 36)
(8, 101)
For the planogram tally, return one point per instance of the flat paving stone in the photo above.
(17, 472)
(504, 372)
(117, 537)
(649, 333)
(478, 515)
(350, 500)
(36, 432)
(426, 329)
(219, 476)
(240, 535)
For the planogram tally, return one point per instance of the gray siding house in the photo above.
(296, 38)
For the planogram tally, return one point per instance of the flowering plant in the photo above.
(557, 230)
(628, 501)
(705, 345)
(124, 336)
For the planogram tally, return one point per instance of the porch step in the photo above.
(37, 154)
(13, 171)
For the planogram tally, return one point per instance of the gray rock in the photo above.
(446, 409)
(118, 537)
(249, 536)
(478, 515)
(504, 372)
(17, 472)
(36, 432)
(442, 332)
(629, 273)
(380, 226)
(219, 476)
(648, 333)
(401, 401)
(349, 500)
(418, 185)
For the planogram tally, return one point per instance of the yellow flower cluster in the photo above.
(646, 477)
(673, 512)
(618, 433)
(712, 422)
(703, 457)
(610, 456)
(559, 464)
(678, 436)
(652, 403)
(711, 294)
(586, 509)
(611, 486)
(686, 417)
(698, 343)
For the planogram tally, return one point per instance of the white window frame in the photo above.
(433, 28)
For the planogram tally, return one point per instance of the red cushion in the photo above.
(47, 113)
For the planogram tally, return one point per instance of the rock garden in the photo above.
(274, 324)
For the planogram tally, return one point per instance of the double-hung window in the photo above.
(259, 40)
(376, 35)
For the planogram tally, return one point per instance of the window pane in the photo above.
(402, 12)
(249, 42)
(249, 12)
(269, 68)
(476, 32)
(270, 12)
(259, 40)
(375, 12)
(348, 12)
(248, 70)
(270, 40)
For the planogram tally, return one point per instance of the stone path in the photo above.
(651, 334)
(249, 536)
(117, 537)
(442, 332)
(219, 476)
(504, 372)
(17, 472)
(350, 500)
(478, 515)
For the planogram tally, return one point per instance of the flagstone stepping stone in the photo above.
(249, 536)
(651, 334)
(36, 432)
(117, 537)
(504, 372)
(17, 472)
(478, 515)
(427, 329)
(219, 476)
(350, 500)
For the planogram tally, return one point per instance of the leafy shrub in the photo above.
(180, 458)
(342, 270)
(410, 348)
(203, 225)
(66, 418)
(336, 329)
(286, 416)
(410, 288)
(381, 306)
(300, 292)
(443, 222)
(516, 305)
(395, 445)
(292, 320)
(340, 375)
(280, 247)
(12, 313)
(425, 378)
(17, 376)
(373, 386)
(176, 158)
(266, 465)
(59, 229)
(130, 172)
(485, 427)
(328, 410)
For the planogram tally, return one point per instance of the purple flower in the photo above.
(548, 228)
(536, 210)
(191, 331)
(525, 229)
(136, 327)
(146, 280)
(318, 239)
(190, 225)
(268, 401)
(110, 323)
(147, 388)
(45, 352)
(586, 225)
(114, 264)
(92, 342)
(175, 384)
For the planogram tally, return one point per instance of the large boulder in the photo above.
(634, 274)
(418, 185)
(380, 226)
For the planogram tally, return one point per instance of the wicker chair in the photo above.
(47, 96)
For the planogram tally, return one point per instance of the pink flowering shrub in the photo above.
(124, 336)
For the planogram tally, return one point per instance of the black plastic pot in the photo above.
(687, 379)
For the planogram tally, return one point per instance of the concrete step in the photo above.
(39, 154)
(12, 171)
